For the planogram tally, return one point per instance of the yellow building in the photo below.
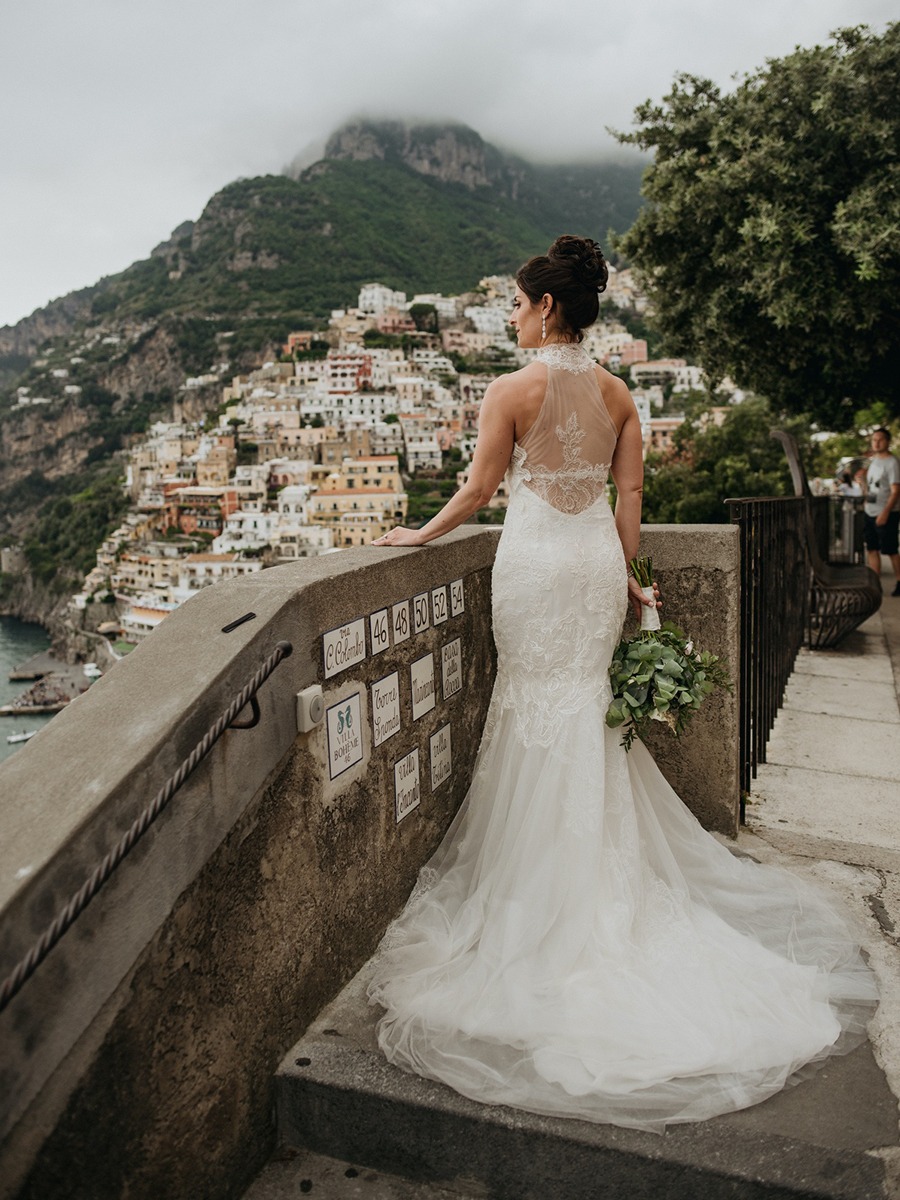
(356, 514)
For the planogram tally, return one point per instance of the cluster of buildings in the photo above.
(308, 455)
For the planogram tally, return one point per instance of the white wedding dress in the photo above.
(579, 945)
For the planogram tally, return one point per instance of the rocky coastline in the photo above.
(56, 677)
(53, 686)
(73, 632)
(34, 602)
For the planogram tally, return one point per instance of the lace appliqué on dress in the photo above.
(566, 356)
(601, 592)
(574, 486)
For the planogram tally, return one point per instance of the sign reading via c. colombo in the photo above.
(344, 647)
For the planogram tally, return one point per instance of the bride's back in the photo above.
(568, 447)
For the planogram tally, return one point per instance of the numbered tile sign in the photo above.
(439, 605)
(451, 667)
(344, 647)
(407, 792)
(440, 757)
(457, 598)
(422, 678)
(401, 622)
(345, 742)
(385, 708)
(378, 631)
(420, 612)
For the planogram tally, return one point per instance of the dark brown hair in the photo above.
(574, 273)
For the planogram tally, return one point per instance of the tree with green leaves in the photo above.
(709, 464)
(770, 241)
(425, 317)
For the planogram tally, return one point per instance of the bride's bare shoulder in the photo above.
(616, 396)
(528, 381)
(529, 378)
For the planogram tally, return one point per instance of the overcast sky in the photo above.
(120, 118)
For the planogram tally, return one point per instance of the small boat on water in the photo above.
(21, 737)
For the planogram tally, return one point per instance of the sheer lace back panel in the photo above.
(566, 455)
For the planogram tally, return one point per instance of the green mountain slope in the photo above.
(270, 245)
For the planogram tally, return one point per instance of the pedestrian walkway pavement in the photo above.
(827, 804)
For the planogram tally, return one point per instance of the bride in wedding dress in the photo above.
(579, 945)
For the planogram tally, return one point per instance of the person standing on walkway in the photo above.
(882, 506)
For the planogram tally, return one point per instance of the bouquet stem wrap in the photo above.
(649, 613)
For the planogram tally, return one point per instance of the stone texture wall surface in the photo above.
(698, 570)
(139, 1059)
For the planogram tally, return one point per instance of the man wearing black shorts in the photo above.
(882, 506)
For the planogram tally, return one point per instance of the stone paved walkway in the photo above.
(827, 802)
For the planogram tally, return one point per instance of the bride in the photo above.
(578, 945)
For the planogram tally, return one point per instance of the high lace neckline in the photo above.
(566, 356)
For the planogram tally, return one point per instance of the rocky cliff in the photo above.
(59, 438)
(20, 343)
(30, 600)
(449, 153)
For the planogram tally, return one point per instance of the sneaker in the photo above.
(896, 591)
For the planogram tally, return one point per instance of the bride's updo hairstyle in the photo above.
(574, 273)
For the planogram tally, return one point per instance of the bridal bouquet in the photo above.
(659, 675)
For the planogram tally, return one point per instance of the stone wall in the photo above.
(139, 1058)
(698, 570)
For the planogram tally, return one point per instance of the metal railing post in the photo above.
(774, 616)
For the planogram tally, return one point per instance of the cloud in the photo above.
(128, 117)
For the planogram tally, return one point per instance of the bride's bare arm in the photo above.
(628, 475)
(493, 450)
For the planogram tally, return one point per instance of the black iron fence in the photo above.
(774, 615)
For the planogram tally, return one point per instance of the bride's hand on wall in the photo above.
(400, 536)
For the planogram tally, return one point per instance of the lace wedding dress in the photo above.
(579, 945)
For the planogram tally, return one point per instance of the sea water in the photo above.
(18, 642)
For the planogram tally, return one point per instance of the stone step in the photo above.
(828, 1138)
(295, 1173)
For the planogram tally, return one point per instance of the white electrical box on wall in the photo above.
(310, 708)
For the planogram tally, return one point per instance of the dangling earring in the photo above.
(543, 327)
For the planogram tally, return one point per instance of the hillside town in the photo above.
(311, 453)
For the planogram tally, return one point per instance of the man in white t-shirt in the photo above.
(882, 505)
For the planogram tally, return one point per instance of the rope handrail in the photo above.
(89, 889)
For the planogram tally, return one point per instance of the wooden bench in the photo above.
(841, 595)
